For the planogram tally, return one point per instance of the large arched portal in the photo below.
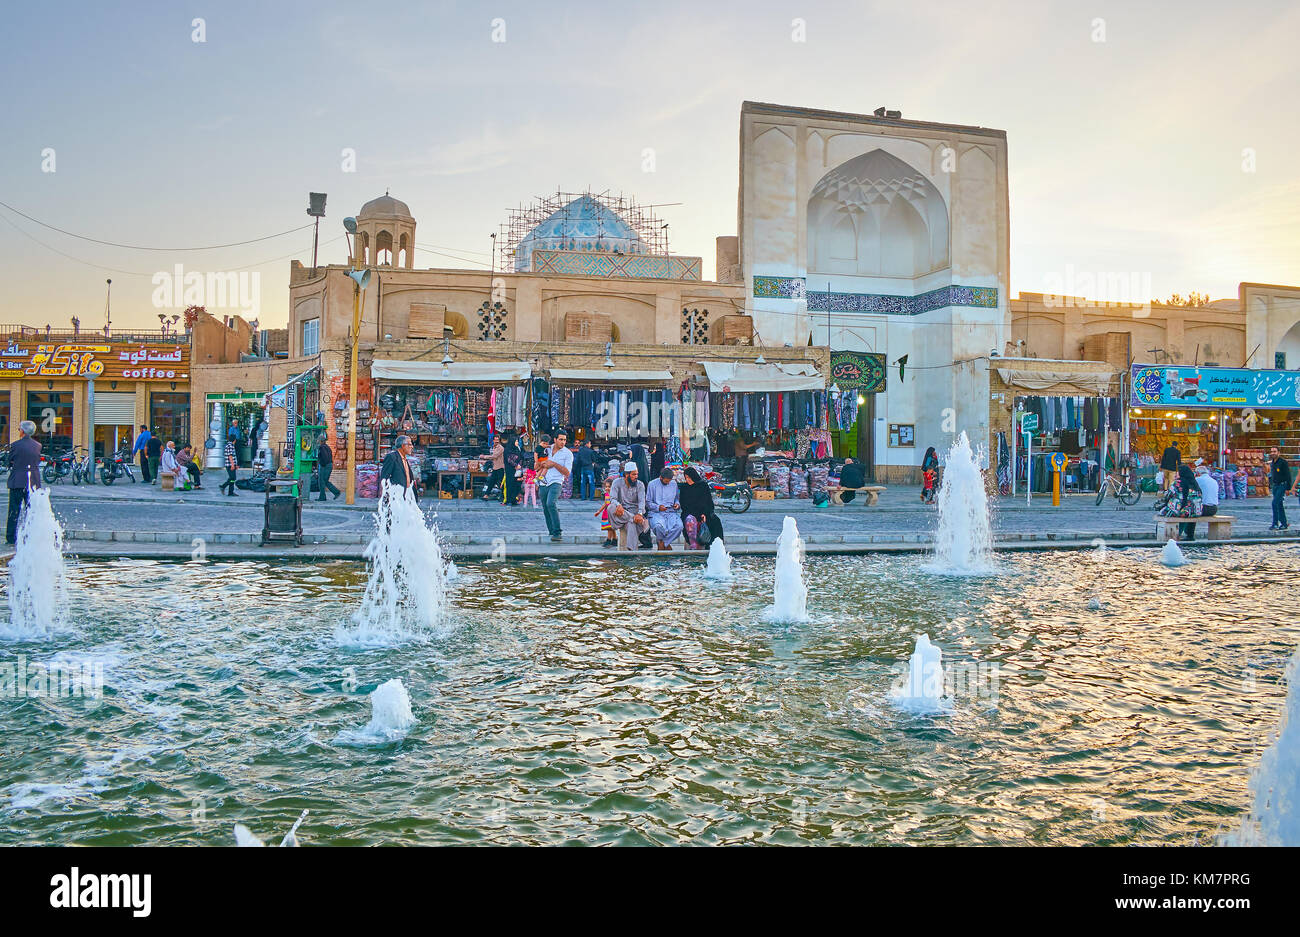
(877, 216)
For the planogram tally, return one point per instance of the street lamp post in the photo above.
(359, 280)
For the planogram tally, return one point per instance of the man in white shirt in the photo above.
(1209, 496)
(555, 468)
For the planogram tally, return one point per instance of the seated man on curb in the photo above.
(627, 507)
(664, 504)
(185, 459)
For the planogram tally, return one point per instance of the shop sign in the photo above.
(95, 359)
(860, 370)
(1155, 385)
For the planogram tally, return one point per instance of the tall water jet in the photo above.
(789, 591)
(963, 542)
(38, 585)
(406, 594)
(719, 563)
(923, 690)
(390, 717)
(1172, 554)
(1274, 818)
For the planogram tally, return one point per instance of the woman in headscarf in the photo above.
(1187, 499)
(514, 462)
(929, 475)
(696, 500)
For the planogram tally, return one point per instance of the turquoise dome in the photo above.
(582, 225)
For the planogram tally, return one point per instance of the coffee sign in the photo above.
(96, 359)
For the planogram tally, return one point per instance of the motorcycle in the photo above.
(115, 467)
(58, 467)
(734, 496)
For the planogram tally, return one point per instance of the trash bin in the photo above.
(283, 511)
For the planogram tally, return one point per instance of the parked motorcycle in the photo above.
(736, 497)
(117, 466)
(58, 468)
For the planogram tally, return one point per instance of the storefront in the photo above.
(1227, 417)
(856, 378)
(246, 415)
(1076, 409)
(83, 391)
(450, 411)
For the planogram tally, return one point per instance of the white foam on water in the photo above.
(406, 593)
(922, 692)
(390, 718)
(789, 591)
(719, 564)
(963, 541)
(246, 837)
(1094, 604)
(38, 583)
(453, 572)
(1274, 818)
(1172, 554)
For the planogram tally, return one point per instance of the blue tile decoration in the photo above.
(982, 297)
(609, 264)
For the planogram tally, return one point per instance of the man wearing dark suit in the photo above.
(396, 469)
(24, 474)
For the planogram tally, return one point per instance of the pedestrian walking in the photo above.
(24, 475)
(141, 441)
(498, 456)
(557, 466)
(154, 449)
(1169, 462)
(1280, 484)
(232, 467)
(584, 462)
(513, 461)
(324, 466)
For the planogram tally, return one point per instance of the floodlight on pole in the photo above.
(359, 278)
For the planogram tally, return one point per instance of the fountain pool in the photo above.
(604, 702)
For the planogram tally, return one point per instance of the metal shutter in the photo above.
(114, 409)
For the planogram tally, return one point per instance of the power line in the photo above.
(136, 247)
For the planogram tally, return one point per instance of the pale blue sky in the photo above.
(1125, 155)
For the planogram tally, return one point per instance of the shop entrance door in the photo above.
(108, 439)
(866, 435)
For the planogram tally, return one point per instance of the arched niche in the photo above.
(898, 220)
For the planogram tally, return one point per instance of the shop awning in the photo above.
(612, 377)
(741, 378)
(458, 372)
(1099, 382)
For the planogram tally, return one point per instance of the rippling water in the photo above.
(599, 702)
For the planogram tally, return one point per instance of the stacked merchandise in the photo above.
(368, 480)
(1228, 484)
(1252, 473)
(819, 478)
(798, 481)
(778, 478)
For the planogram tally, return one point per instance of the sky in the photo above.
(1153, 140)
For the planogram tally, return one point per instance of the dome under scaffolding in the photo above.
(580, 221)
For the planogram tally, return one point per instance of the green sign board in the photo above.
(858, 370)
(1029, 422)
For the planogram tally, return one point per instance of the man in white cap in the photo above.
(1209, 498)
(627, 507)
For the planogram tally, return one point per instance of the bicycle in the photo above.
(83, 468)
(1120, 489)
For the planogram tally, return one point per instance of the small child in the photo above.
(605, 525)
(530, 486)
(927, 485)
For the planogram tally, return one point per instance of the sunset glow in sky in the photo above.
(1166, 148)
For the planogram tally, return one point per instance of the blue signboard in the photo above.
(1160, 385)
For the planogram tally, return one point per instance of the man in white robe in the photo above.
(664, 508)
(627, 509)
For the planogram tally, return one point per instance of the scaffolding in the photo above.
(520, 221)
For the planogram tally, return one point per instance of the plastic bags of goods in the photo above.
(1241, 485)
(778, 479)
(819, 478)
(367, 480)
(798, 482)
(1228, 484)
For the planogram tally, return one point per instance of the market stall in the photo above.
(451, 412)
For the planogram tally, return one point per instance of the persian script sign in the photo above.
(91, 359)
(858, 370)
